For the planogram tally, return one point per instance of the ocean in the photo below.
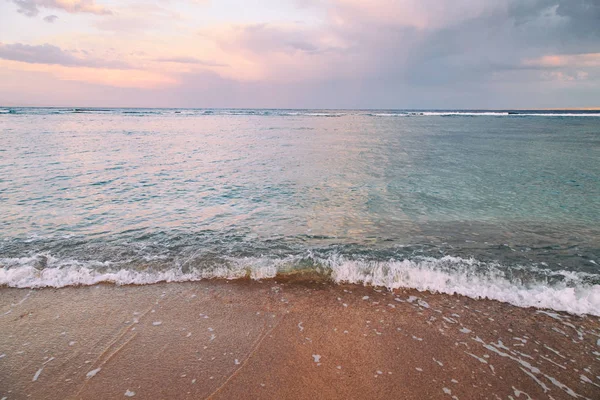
(503, 205)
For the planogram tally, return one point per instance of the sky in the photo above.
(473, 54)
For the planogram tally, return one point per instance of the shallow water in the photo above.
(484, 204)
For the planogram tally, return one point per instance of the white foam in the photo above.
(450, 275)
(37, 374)
(92, 373)
(562, 115)
(21, 273)
(497, 114)
(468, 277)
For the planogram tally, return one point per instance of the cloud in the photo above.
(53, 55)
(138, 17)
(463, 46)
(452, 43)
(31, 8)
(50, 18)
(190, 60)
(348, 53)
(568, 60)
(274, 38)
(279, 51)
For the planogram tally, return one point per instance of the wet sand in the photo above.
(293, 340)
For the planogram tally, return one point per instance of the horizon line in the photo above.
(318, 108)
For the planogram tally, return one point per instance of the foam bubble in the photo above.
(92, 373)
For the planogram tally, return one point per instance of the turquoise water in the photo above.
(386, 197)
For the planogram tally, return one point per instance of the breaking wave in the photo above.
(569, 291)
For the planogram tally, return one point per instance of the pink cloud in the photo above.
(565, 60)
(31, 7)
(49, 54)
(119, 78)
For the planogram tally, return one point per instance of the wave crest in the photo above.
(573, 292)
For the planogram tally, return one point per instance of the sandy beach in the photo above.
(283, 339)
(301, 199)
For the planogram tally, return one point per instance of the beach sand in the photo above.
(278, 339)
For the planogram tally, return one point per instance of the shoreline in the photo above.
(562, 290)
(287, 338)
